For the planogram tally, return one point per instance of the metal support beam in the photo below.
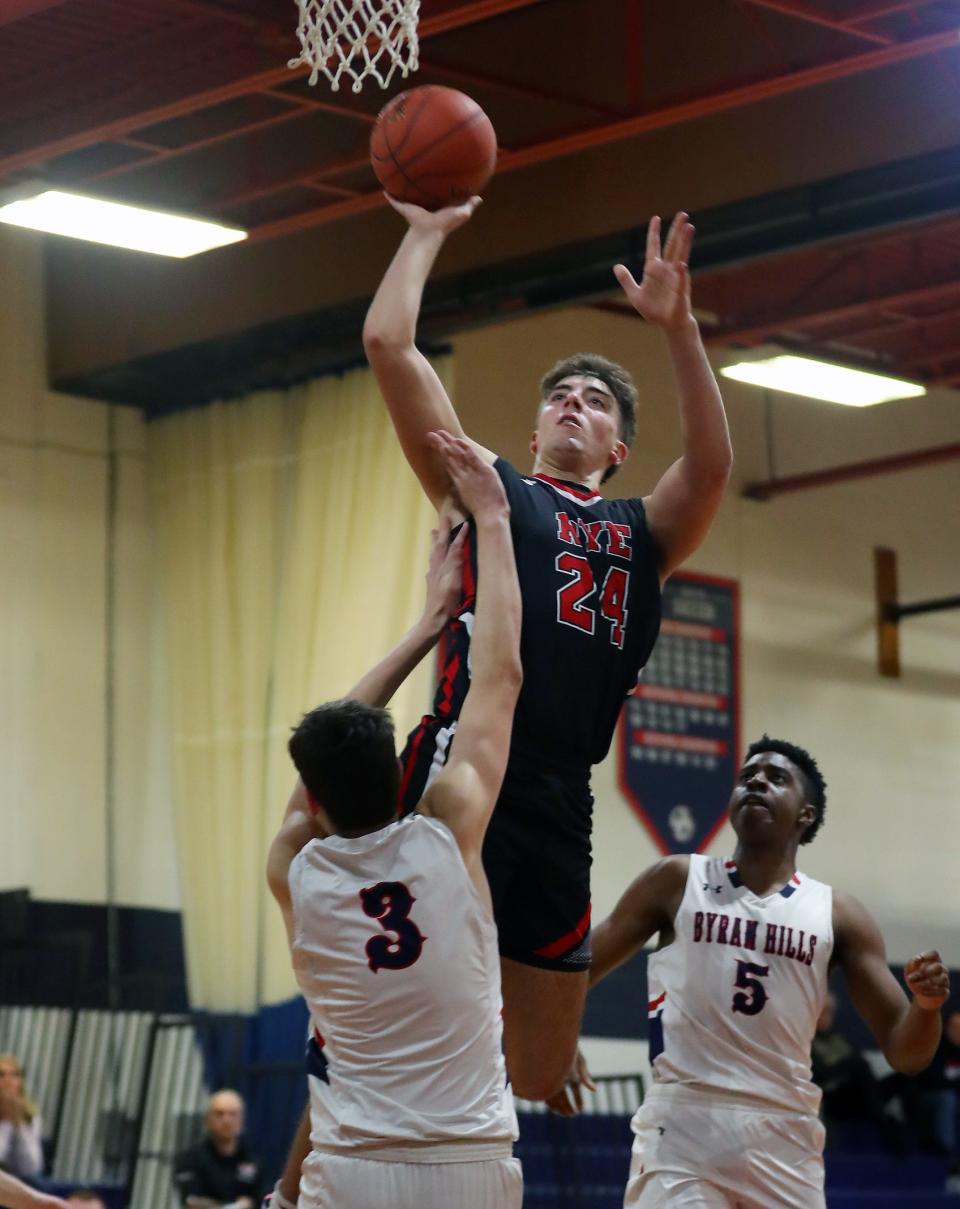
(803, 12)
(671, 115)
(470, 13)
(851, 470)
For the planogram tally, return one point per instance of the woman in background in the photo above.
(21, 1145)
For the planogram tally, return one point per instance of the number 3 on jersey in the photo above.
(572, 608)
(390, 903)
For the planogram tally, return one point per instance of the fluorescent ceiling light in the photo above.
(116, 224)
(821, 380)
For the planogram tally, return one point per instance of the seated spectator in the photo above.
(940, 1084)
(852, 1092)
(21, 1136)
(221, 1170)
(86, 1198)
(14, 1194)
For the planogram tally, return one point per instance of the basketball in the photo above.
(433, 146)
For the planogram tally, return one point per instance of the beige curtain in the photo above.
(292, 543)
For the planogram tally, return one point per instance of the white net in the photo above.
(357, 38)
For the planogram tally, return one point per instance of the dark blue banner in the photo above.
(679, 738)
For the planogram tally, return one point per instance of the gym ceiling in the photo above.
(815, 142)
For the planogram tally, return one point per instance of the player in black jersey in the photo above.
(590, 574)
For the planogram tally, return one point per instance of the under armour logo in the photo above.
(661, 1130)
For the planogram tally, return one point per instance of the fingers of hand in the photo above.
(653, 237)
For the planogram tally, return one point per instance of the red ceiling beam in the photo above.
(659, 119)
(767, 489)
(17, 10)
(471, 13)
(792, 8)
(888, 10)
(823, 318)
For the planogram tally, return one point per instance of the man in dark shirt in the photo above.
(221, 1172)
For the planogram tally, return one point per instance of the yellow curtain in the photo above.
(292, 543)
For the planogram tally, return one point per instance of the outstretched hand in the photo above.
(928, 979)
(476, 484)
(568, 1101)
(440, 221)
(663, 295)
(445, 571)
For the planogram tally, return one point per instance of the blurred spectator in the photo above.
(852, 1092)
(14, 1194)
(86, 1198)
(21, 1137)
(222, 1170)
(940, 1084)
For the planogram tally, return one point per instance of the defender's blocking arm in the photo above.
(444, 577)
(463, 795)
(414, 394)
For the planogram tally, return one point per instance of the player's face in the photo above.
(579, 425)
(769, 800)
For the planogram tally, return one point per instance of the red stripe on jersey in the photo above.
(655, 1003)
(796, 878)
(729, 864)
(582, 493)
(412, 761)
(446, 686)
(318, 1037)
(559, 947)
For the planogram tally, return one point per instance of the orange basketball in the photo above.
(433, 146)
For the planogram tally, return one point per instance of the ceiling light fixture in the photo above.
(822, 380)
(117, 224)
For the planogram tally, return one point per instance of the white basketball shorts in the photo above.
(341, 1182)
(692, 1151)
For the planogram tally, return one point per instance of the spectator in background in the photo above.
(21, 1137)
(940, 1085)
(851, 1090)
(221, 1170)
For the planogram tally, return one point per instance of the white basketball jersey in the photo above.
(734, 1000)
(397, 958)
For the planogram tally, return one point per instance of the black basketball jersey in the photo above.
(590, 587)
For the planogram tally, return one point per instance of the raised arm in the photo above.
(464, 794)
(415, 397)
(683, 504)
(444, 583)
(908, 1031)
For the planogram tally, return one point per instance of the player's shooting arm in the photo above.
(683, 504)
(908, 1031)
(464, 794)
(414, 394)
(647, 906)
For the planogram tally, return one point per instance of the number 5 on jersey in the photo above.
(572, 608)
(390, 903)
(753, 996)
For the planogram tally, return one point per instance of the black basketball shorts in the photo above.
(536, 853)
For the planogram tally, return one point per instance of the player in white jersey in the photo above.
(390, 924)
(735, 988)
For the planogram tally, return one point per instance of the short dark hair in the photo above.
(344, 752)
(813, 783)
(612, 375)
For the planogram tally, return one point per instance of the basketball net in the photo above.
(357, 38)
